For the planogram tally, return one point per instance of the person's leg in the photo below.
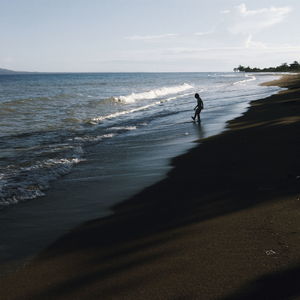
(194, 117)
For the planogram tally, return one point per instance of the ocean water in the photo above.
(48, 120)
(72, 145)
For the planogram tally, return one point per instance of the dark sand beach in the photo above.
(224, 224)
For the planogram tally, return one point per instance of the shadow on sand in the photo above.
(275, 286)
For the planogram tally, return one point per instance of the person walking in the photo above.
(198, 107)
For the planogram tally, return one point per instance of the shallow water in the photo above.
(72, 145)
(47, 121)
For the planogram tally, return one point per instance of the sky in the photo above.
(147, 35)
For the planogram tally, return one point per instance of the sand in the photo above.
(224, 224)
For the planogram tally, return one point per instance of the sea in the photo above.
(73, 145)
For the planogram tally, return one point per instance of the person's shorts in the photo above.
(198, 110)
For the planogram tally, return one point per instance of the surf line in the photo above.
(250, 78)
(97, 120)
(152, 94)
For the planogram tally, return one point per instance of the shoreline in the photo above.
(75, 198)
(181, 226)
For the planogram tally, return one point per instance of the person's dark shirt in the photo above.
(199, 103)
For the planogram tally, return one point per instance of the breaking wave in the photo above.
(153, 94)
(249, 78)
(99, 119)
(24, 183)
(126, 128)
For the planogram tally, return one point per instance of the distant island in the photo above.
(11, 72)
(5, 71)
(293, 67)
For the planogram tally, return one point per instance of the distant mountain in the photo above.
(7, 72)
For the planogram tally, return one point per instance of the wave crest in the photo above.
(153, 94)
(24, 183)
(249, 78)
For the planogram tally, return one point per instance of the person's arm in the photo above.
(195, 107)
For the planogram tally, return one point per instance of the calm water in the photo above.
(72, 145)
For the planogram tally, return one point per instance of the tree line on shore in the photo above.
(293, 67)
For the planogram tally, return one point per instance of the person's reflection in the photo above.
(199, 129)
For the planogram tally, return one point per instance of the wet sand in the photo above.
(224, 224)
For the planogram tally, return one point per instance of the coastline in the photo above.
(134, 156)
(216, 220)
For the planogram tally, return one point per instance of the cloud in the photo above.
(202, 33)
(150, 37)
(246, 21)
(225, 11)
(249, 43)
(232, 40)
(251, 48)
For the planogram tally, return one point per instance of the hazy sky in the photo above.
(147, 35)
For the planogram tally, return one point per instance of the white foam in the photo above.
(228, 75)
(99, 119)
(122, 128)
(29, 182)
(89, 139)
(65, 163)
(156, 93)
(249, 78)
